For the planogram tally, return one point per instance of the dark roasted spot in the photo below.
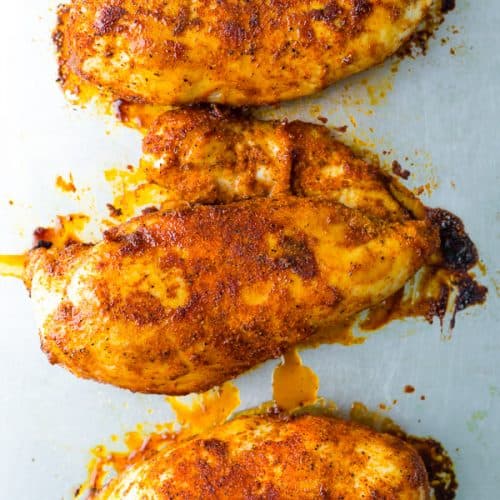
(254, 20)
(58, 38)
(175, 50)
(342, 129)
(328, 14)
(149, 210)
(216, 447)
(142, 308)
(361, 8)
(233, 32)
(459, 252)
(133, 243)
(113, 211)
(398, 170)
(447, 5)
(43, 244)
(107, 18)
(182, 21)
(298, 257)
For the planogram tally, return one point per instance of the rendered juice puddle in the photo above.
(12, 265)
(294, 385)
(206, 410)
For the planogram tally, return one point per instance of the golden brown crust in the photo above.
(181, 301)
(263, 457)
(228, 51)
(216, 155)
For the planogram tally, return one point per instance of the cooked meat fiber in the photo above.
(218, 156)
(180, 301)
(230, 52)
(263, 457)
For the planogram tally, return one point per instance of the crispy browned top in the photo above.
(263, 457)
(228, 51)
(181, 301)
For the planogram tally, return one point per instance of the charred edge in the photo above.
(469, 293)
(43, 244)
(42, 237)
(438, 465)
(458, 250)
(57, 34)
(447, 5)
(58, 40)
(418, 42)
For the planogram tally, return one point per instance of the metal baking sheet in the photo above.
(438, 115)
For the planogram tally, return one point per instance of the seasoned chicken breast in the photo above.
(180, 301)
(228, 51)
(264, 457)
(219, 156)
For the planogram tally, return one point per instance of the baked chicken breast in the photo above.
(180, 301)
(219, 156)
(305, 457)
(229, 52)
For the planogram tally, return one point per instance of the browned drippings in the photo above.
(66, 230)
(428, 296)
(447, 286)
(105, 463)
(425, 296)
(201, 413)
(418, 42)
(469, 293)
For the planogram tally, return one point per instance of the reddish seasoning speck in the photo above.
(409, 389)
